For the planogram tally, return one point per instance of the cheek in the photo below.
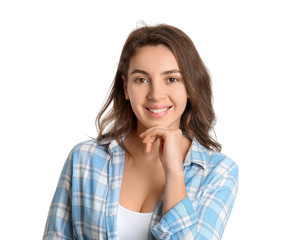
(136, 94)
(180, 97)
(135, 98)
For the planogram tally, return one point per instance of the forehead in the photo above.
(153, 58)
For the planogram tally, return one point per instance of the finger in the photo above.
(148, 147)
(153, 137)
(152, 130)
(150, 139)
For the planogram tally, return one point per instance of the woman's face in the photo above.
(155, 88)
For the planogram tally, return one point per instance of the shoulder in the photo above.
(221, 164)
(222, 172)
(219, 159)
(88, 151)
(215, 164)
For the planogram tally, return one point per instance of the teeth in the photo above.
(158, 110)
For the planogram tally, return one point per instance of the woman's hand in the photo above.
(170, 149)
(171, 157)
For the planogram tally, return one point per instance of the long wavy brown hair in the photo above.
(116, 118)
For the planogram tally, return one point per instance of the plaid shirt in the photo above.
(86, 200)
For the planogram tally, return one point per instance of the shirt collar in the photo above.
(197, 154)
(116, 155)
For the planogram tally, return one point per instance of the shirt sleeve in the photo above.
(59, 222)
(207, 220)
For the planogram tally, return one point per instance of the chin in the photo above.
(163, 124)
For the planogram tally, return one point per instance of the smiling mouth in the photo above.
(158, 110)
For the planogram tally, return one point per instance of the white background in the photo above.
(58, 59)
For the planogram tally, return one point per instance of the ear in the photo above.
(125, 88)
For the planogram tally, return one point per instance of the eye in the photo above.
(141, 80)
(172, 80)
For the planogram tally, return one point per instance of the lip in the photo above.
(158, 113)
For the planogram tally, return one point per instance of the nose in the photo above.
(157, 91)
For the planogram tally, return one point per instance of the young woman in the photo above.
(154, 172)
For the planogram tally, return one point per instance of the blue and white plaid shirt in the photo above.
(86, 200)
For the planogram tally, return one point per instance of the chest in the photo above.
(142, 186)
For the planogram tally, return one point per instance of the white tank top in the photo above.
(133, 225)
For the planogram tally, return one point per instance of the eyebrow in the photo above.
(163, 73)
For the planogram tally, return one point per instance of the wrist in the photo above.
(174, 173)
(175, 179)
